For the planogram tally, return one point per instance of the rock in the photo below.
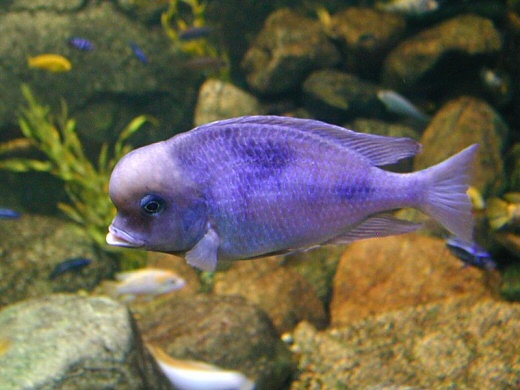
(287, 49)
(457, 343)
(33, 245)
(285, 295)
(392, 273)
(366, 36)
(460, 123)
(109, 75)
(441, 53)
(228, 332)
(221, 100)
(335, 96)
(70, 342)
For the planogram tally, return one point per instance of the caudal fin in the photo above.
(446, 199)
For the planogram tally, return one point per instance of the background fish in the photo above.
(70, 265)
(51, 62)
(399, 105)
(81, 44)
(9, 214)
(138, 53)
(192, 33)
(470, 253)
(146, 281)
(252, 186)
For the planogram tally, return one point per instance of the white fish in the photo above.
(147, 281)
(408, 7)
(399, 105)
(194, 375)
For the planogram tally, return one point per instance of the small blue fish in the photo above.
(139, 53)
(252, 186)
(81, 44)
(193, 33)
(74, 264)
(470, 253)
(399, 105)
(9, 214)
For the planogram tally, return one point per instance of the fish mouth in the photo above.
(117, 237)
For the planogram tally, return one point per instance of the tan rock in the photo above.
(385, 274)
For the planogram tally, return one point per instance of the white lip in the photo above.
(118, 237)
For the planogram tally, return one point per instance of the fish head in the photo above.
(170, 282)
(158, 208)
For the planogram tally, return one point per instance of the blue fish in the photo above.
(9, 214)
(470, 253)
(193, 33)
(81, 44)
(253, 186)
(74, 264)
(138, 52)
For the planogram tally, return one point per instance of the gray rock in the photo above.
(71, 342)
(365, 36)
(50, 5)
(226, 331)
(33, 245)
(110, 74)
(460, 123)
(287, 297)
(221, 100)
(456, 343)
(287, 49)
(437, 56)
(335, 96)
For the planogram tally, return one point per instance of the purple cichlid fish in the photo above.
(253, 186)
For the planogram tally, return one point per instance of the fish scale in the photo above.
(252, 186)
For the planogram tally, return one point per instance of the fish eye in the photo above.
(152, 204)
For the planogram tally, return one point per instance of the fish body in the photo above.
(138, 52)
(252, 186)
(470, 253)
(70, 265)
(194, 375)
(399, 105)
(81, 44)
(192, 33)
(9, 214)
(148, 281)
(504, 212)
(50, 62)
(409, 7)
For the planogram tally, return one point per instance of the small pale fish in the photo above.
(192, 33)
(74, 264)
(253, 186)
(408, 7)
(51, 62)
(398, 104)
(147, 281)
(82, 44)
(138, 52)
(195, 375)
(470, 253)
(9, 214)
(505, 212)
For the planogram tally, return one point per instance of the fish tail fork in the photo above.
(445, 199)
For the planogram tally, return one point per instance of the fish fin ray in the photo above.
(204, 254)
(378, 149)
(381, 225)
(446, 199)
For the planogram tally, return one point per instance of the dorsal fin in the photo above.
(379, 150)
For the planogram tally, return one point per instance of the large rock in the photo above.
(70, 342)
(33, 245)
(335, 96)
(456, 344)
(460, 123)
(391, 273)
(226, 331)
(437, 56)
(285, 295)
(221, 100)
(366, 36)
(107, 86)
(285, 51)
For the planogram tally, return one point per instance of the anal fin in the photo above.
(381, 225)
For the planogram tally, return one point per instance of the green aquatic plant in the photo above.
(86, 184)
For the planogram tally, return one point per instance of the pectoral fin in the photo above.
(377, 226)
(204, 254)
